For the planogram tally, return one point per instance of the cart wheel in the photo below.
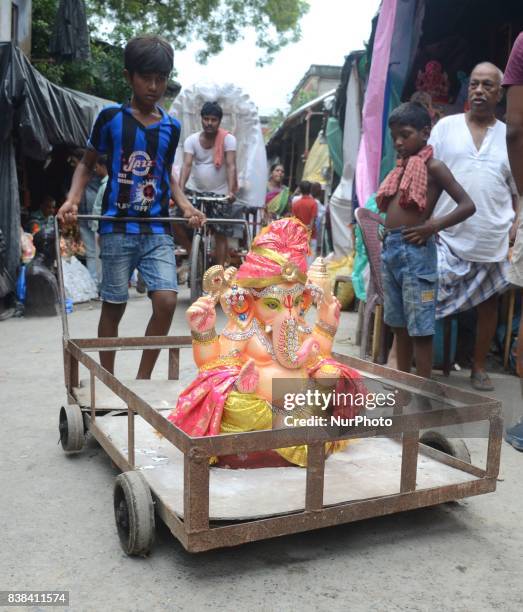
(71, 427)
(197, 264)
(455, 447)
(134, 513)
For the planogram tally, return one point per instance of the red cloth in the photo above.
(306, 209)
(514, 71)
(409, 177)
(219, 148)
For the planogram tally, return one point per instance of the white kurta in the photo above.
(204, 175)
(485, 175)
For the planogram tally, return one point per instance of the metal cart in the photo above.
(166, 473)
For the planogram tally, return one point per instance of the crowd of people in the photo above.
(451, 208)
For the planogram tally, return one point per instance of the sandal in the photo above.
(481, 381)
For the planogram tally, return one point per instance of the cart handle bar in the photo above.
(61, 286)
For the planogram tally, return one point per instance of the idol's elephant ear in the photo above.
(248, 378)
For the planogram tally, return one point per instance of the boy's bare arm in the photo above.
(465, 206)
(444, 178)
(186, 170)
(232, 180)
(82, 174)
(515, 133)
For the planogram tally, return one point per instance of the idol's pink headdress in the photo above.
(278, 255)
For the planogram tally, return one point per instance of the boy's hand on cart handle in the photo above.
(201, 316)
(195, 216)
(67, 213)
(232, 197)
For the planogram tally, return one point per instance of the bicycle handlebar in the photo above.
(215, 199)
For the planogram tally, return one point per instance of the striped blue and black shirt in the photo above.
(139, 164)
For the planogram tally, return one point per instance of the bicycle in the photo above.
(201, 249)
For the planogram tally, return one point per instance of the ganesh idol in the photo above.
(266, 338)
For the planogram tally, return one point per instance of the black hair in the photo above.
(412, 114)
(274, 166)
(212, 109)
(102, 160)
(305, 187)
(315, 189)
(146, 54)
(77, 153)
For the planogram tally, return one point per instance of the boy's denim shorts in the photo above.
(410, 283)
(121, 254)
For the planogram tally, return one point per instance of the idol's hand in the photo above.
(201, 315)
(329, 311)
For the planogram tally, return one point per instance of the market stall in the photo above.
(40, 121)
(428, 46)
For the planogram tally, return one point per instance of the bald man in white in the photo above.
(472, 256)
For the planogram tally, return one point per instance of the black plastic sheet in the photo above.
(70, 40)
(35, 115)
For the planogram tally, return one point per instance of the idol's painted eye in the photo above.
(298, 300)
(272, 303)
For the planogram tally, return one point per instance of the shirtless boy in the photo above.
(409, 257)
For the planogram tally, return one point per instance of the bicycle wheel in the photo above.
(197, 265)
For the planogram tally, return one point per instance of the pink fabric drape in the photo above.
(200, 407)
(369, 156)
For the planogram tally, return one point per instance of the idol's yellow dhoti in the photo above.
(249, 412)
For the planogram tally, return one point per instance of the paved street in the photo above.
(59, 532)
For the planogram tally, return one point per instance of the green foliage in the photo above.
(302, 98)
(101, 76)
(275, 120)
(212, 22)
(42, 25)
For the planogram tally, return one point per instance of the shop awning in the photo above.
(297, 115)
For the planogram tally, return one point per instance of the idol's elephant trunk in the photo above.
(288, 351)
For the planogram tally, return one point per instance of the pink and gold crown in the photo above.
(278, 255)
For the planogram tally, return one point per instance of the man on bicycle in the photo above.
(209, 166)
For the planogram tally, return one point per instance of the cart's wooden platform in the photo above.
(370, 467)
(159, 394)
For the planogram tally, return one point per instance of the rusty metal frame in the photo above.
(196, 533)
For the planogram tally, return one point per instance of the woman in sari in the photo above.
(277, 196)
